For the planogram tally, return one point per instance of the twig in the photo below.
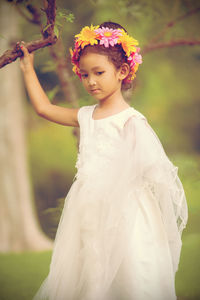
(172, 23)
(172, 43)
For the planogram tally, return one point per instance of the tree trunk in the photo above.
(19, 227)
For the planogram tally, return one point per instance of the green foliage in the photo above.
(56, 30)
(52, 93)
(46, 27)
(51, 147)
(48, 66)
(189, 170)
(52, 216)
(65, 14)
(52, 153)
(62, 16)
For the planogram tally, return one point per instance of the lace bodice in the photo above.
(99, 141)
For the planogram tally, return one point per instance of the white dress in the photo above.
(119, 235)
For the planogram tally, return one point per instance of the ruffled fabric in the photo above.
(160, 177)
(119, 236)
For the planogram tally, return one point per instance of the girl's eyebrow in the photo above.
(94, 68)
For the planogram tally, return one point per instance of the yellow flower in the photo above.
(75, 69)
(87, 36)
(136, 67)
(71, 51)
(128, 43)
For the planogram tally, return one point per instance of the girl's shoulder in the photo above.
(132, 117)
(137, 114)
(84, 111)
(85, 108)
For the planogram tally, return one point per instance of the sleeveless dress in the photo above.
(119, 235)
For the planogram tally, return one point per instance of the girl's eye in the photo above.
(84, 75)
(100, 73)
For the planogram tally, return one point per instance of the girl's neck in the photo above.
(112, 103)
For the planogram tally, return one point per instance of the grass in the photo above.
(22, 274)
(187, 279)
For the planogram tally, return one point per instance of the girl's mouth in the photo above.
(95, 91)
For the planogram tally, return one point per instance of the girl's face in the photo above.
(100, 77)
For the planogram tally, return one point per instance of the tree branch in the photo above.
(170, 24)
(51, 16)
(172, 43)
(49, 37)
(11, 55)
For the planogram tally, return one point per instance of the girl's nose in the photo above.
(91, 81)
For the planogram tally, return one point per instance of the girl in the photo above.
(119, 235)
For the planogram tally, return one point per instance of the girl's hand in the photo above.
(26, 61)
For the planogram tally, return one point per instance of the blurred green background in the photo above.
(166, 92)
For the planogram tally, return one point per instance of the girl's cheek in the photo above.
(85, 85)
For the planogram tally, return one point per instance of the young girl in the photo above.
(119, 236)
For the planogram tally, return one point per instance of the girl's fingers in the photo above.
(27, 53)
(27, 59)
(24, 50)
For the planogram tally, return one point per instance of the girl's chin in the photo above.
(98, 96)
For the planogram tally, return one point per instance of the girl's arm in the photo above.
(39, 100)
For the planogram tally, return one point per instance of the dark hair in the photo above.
(115, 54)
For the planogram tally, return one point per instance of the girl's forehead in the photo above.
(93, 60)
(92, 57)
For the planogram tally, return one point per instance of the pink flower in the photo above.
(138, 57)
(131, 60)
(135, 58)
(108, 36)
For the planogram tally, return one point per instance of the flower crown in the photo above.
(94, 35)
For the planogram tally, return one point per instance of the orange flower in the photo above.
(128, 43)
(87, 36)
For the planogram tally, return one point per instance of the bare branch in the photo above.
(49, 37)
(11, 55)
(172, 23)
(172, 43)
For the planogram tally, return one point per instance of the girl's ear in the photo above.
(124, 71)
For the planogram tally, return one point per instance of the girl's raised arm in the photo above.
(39, 100)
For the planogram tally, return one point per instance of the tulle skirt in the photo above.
(109, 246)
